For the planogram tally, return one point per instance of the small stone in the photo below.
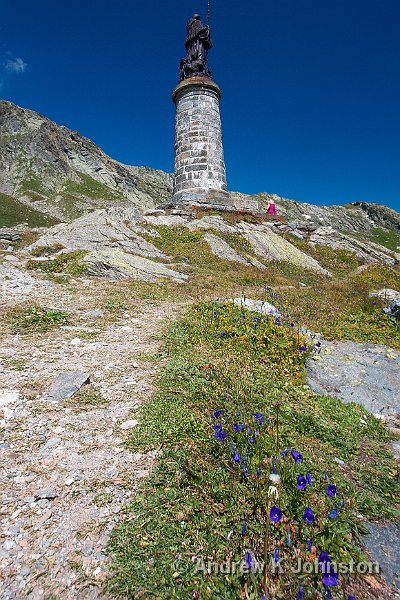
(97, 571)
(58, 429)
(339, 461)
(126, 328)
(129, 424)
(25, 571)
(29, 499)
(66, 384)
(69, 481)
(43, 503)
(8, 397)
(23, 543)
(135, 365)
(46, 494)
(75, 342)
(8, 545)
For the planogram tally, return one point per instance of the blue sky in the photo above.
(311, 88)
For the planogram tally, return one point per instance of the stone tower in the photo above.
(199, 155)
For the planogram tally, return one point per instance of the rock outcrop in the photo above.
(61, 173)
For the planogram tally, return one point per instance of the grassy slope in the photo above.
(193, 499)
(13, 212)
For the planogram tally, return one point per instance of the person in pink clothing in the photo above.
(270, 208)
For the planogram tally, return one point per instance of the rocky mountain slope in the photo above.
(58, 173)
(49, 173)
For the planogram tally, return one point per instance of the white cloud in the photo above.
(15, 65)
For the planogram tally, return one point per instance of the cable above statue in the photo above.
(198, 42)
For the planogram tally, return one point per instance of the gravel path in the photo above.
(65, 474)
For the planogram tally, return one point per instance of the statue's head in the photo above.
(197, 17)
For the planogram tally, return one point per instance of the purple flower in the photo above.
(309, 547)
(284, 452)
(297, 457)
(301, 482)
(300, 593)
(223, 334)
(276, 555)
(330, 579)
(334, 513)
(277, 321)
(259, 418)
(351, 598)
(217, 413)
(249, 560)
(236, 457)
(291, 324)
(258, 471)
(238, 426)
(217, 427)
(303, 349)
(323, 560)
(215, 313)
(244, 527)
(275, 514)
(331, 490)
(220, 435)
(309, 478)
(308, 516)
(374, 303)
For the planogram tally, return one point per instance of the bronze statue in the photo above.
(198, 42)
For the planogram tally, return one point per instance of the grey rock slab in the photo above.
(222, 249)
(386, 294)
(396, 449)
(382, 544)
(66, 385)
(264, 308)
(393, 310)
(101, 229)
(212, 222)
(115, 264)
(271, 246)
(367, 374)
(365, 250)
(15, 283)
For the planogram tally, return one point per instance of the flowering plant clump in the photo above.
(299, 510)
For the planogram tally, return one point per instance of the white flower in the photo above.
(275, 478)
(273, 492)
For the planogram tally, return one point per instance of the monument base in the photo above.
(215, 200)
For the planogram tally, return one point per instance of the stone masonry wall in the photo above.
(199, 156)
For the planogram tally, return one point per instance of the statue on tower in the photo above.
(198, 42)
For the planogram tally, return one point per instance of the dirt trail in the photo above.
(65, 473)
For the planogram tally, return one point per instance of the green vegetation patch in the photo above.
(69, 263)
(89, 187)
(13, 212)
(232, 408)
(34, 318)
(88, 398)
